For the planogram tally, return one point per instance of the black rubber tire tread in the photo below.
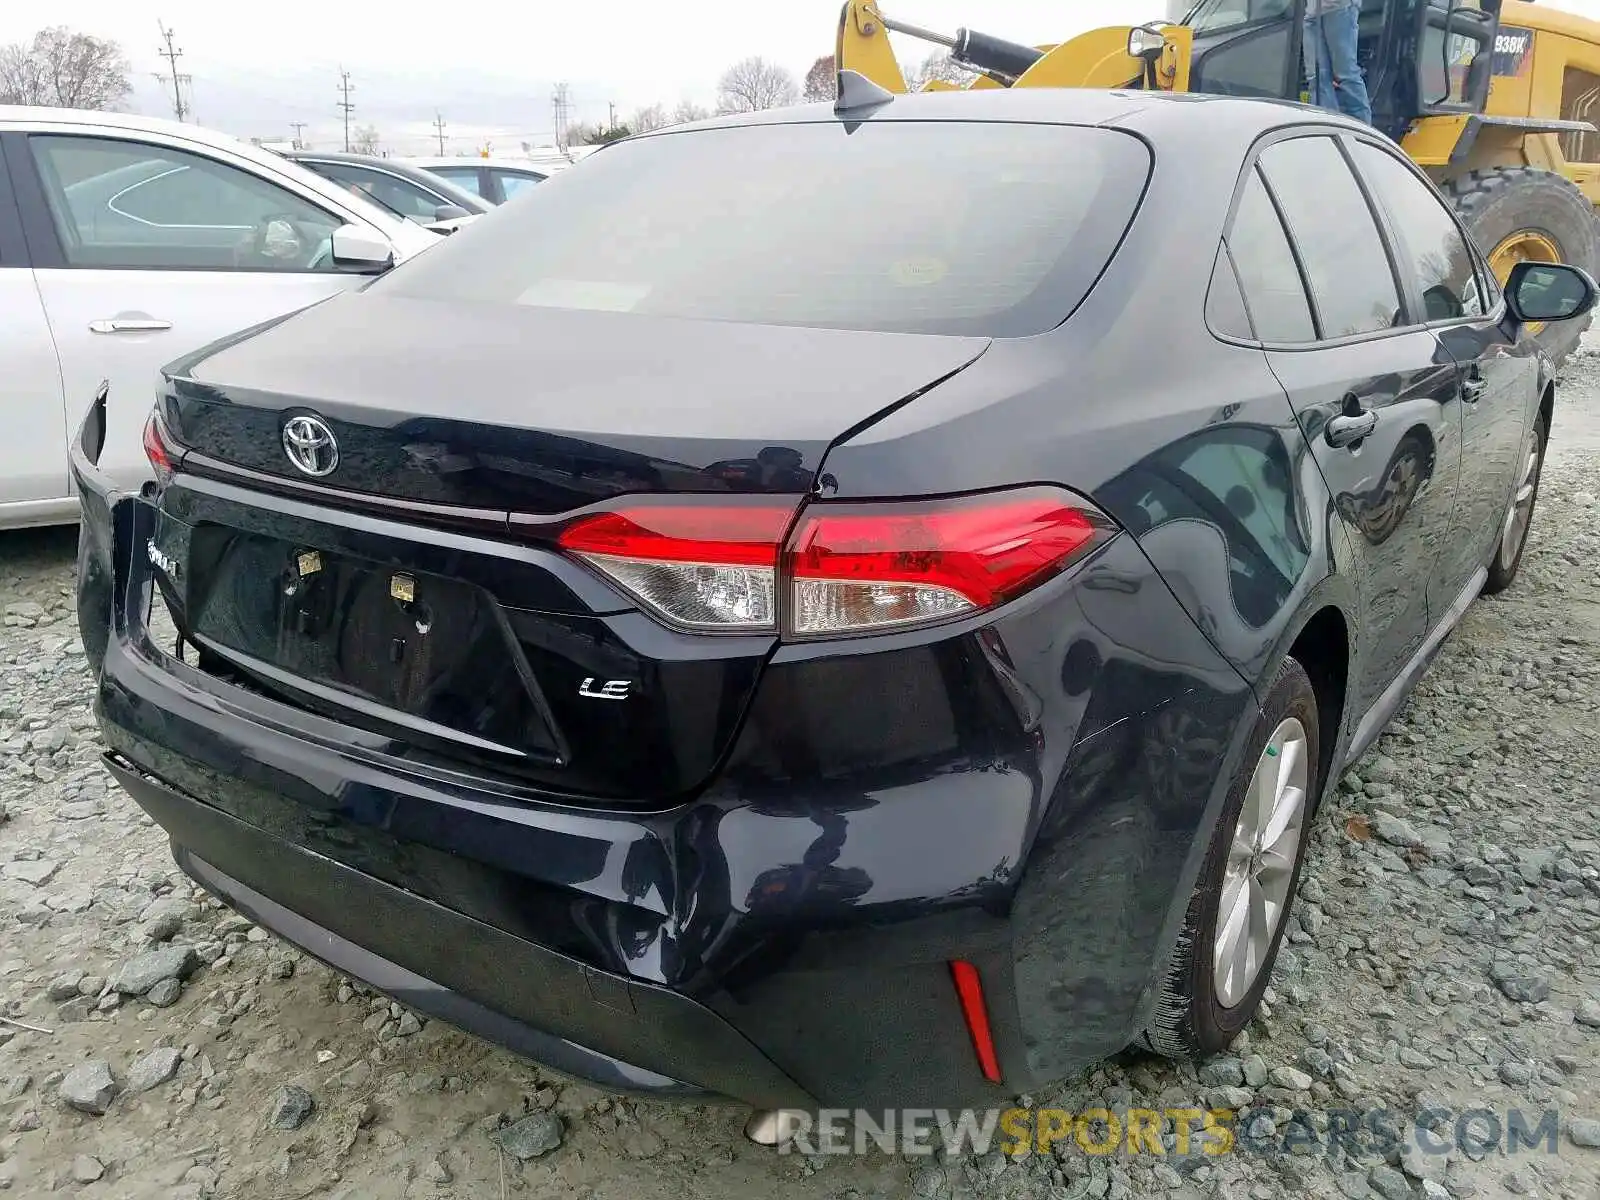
(1188, 1023)
(1503, 575)
(1500, 201)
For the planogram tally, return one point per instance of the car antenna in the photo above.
(857, 91)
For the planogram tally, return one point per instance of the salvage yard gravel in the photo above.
(1432, 1029)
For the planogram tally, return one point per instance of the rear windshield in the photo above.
(922, 227)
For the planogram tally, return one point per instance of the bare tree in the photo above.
(822, 80)
(365, 140)
(940, 66)
(653, 116)
(597, 134)
(64, 69)
(688, 110)
(753, 84)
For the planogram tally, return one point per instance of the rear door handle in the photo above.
(1353, 425)
(1473, 387)
(129, 325)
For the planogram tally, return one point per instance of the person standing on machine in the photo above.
(1334, 75)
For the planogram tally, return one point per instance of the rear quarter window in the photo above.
(926, 227)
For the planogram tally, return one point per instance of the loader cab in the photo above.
(1420, 57)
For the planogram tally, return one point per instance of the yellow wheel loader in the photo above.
(1493, 98)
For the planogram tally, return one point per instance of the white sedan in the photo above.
(126, 242)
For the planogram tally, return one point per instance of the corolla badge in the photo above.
(310, 445)
(161, 560)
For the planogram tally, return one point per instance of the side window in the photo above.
(1225, 311)
(1267, 272)
(397, 195)
(466, 177)
(1255, 64)
(513, 183)
(1431, 246)
(122, 203)
(1333, 228)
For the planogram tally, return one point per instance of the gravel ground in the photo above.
(1443, 959)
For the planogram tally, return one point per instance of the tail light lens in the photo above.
(158, 450)
(844, 568)
(853, 567)
(704, 565)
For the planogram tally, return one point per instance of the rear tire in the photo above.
(1207, 997)
(1518, 520)
(1505, 205)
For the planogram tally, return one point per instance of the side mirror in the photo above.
(1549, 291)
(356, 249)
(1146, 42)
(449, 212)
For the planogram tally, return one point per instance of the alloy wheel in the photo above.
(1521, 513)
(1261, 862)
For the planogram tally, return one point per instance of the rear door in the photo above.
(1498, 379)
(144, 250)
(1374, 392)
(33, 454)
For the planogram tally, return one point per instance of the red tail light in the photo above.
(705, 564)
(852, 567)
(157, 450)
(846, 568)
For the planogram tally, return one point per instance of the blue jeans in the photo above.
(1331, 67)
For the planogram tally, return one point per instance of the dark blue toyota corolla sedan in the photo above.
(849, 609)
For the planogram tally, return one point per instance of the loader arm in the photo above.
(1100, 58)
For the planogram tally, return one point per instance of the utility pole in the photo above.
(345, 89)
(611, 119)
(561, 105)
(438, 129)
(172, 54)
(299, 128)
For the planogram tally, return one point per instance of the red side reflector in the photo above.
(969, 990)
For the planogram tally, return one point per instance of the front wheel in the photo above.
(1514, 527)
(1239, 909)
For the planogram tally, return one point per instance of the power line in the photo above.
(172, 54)
(345, 89)
(438, 127)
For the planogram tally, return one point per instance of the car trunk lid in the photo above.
(534, 410)
(411, 591)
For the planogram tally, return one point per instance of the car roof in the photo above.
(133, 122)
(428, 162)
(1158, 114)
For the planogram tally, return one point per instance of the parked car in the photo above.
(493, 179)
(715, 644)
(403, 189)
(126, 242)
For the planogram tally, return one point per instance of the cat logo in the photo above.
(611, 689)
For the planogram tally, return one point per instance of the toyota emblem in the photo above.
(310, 445)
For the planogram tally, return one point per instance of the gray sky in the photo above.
(256, 70)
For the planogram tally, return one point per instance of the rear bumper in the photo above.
(784, 939)
(519, 995)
